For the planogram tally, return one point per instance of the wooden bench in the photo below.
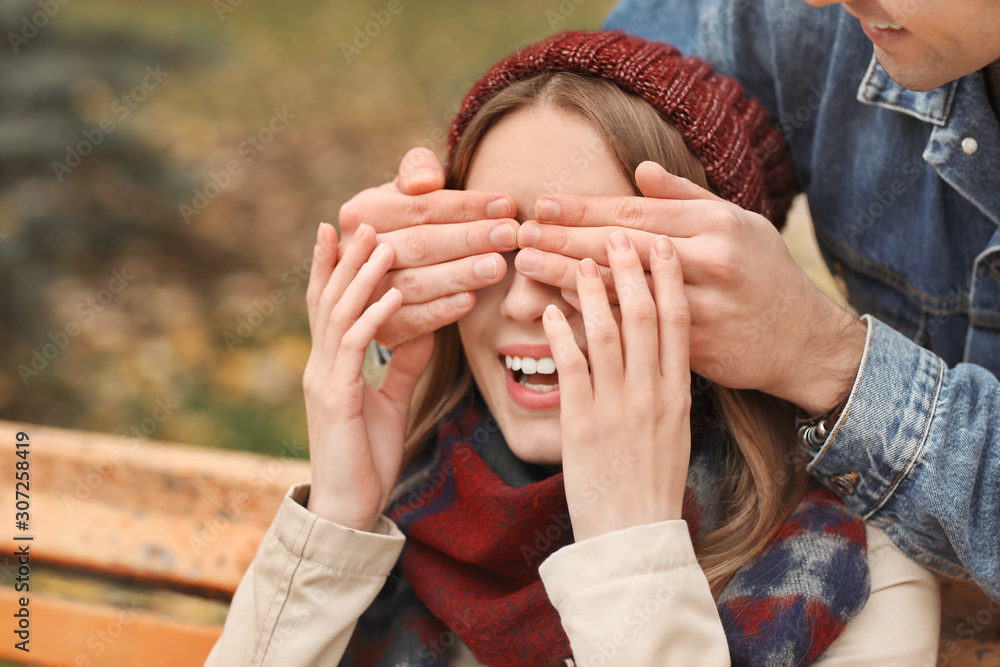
(143, 515)
(183, 522)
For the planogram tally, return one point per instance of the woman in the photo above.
(566, 493)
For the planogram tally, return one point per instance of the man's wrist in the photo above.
(831, 368)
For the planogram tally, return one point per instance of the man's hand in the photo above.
(446, 244)
(758, 322)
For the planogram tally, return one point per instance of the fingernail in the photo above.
(528, 261)
(504, 236)
(528, 234)
(321, 234)
(422, 175)
(589, 268)
(362, 229)
(460, 300)
(619, 241)
(546, 210)
(553, 313)
(487, 268)
(380, 250)
(663, 247)
(498, 208)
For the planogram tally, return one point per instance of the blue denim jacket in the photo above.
(904, 190)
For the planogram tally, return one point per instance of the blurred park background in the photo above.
(163, 169)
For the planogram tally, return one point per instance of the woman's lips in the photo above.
(529, 398)
(523, 396)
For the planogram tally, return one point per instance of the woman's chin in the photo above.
(539, 444)
(533, 435)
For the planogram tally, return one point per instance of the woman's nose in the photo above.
(526, 299)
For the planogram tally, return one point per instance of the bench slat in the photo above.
(84, 635)
(166, 512)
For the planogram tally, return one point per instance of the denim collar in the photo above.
(955, 118)
(878, 89)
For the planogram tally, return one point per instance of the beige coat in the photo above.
(633, 597)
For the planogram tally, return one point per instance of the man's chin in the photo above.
(915, 77)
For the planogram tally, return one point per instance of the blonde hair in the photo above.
(762, 479)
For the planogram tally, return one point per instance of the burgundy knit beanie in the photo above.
(744, 157)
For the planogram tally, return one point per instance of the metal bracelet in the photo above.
(814, 432)
(810, 440)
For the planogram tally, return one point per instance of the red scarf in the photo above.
(479, 521)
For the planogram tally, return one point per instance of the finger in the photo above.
(579, 242)
(405, 368)
(639, 315)
(574, 376)
(675, 217)
(674, 316)
(425, 283)
(554, 269)
(387, 210)
(433, 244)
(415, 320)
(655, 181)
(572, 298)
(420, 172)
(353, 343)
(560, 271)
(604, 345)
(352, 258)
(324, 259)
(356, 296)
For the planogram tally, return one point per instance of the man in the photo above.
(899, 155)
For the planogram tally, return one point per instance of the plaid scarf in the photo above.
(479, 521)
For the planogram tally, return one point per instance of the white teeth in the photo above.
(542, 388)
(530, 365)
(886, 26)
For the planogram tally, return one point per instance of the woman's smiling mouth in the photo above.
(531, 376)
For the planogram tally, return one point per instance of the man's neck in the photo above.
(992, 75)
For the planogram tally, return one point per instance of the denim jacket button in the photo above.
(970, 145)
(844, 483)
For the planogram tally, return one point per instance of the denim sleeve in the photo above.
(917, 452)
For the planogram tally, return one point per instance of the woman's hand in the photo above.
(625, 423)
(356, 432)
